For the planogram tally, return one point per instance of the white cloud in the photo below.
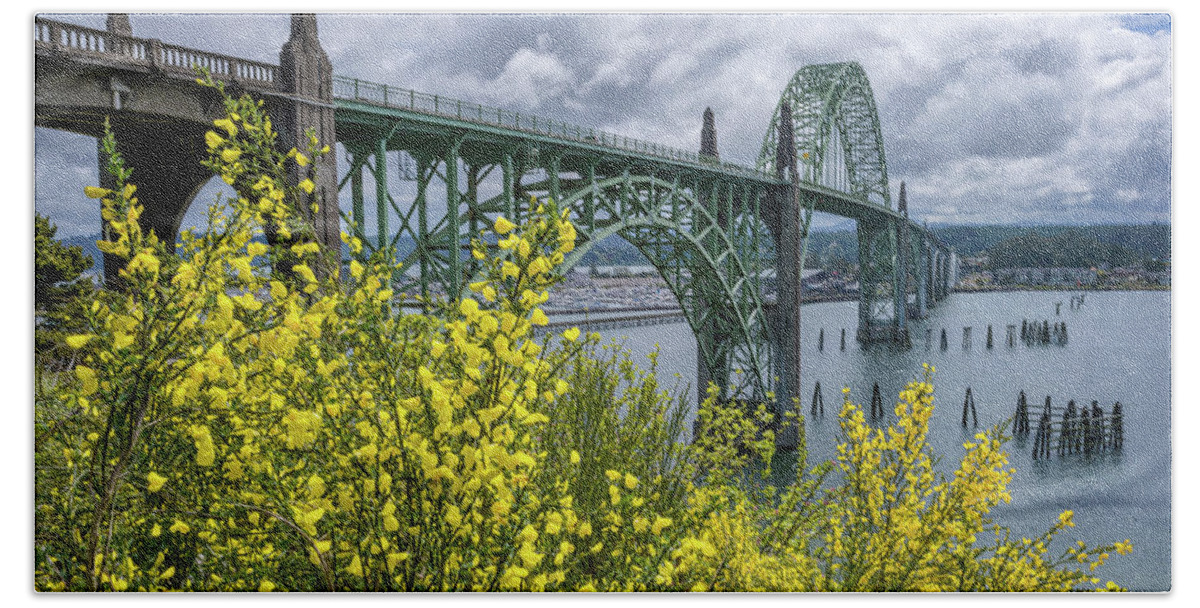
(998, 117)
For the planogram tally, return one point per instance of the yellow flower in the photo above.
(213, 140)
(87, 380)
(156, 481)
(96, 192)
(1065, 518)
(179, 527)
(78, 341)
(503, 226)
(226, 124)
(571, 334)
(307, 185)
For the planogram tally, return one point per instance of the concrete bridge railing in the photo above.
(150, 53)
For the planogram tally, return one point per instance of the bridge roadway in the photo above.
(715, 230)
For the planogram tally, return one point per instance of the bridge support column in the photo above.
(921, 272)
(900, 273)
(165, 159)
(880, 310)
(306, 74)
(781, 213)
(710, 363)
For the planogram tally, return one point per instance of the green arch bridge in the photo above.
(729, 240)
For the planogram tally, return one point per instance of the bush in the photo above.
(240, 420)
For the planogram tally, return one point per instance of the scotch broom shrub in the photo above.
(240, 420)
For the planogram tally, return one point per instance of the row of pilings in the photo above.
(1078, 430)
(1033, 333)
(818, 401)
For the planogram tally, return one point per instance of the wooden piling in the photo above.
(1098, 430)
(876, 401)
(945, 344)
(821, 340)
(1118, 427)
(843, 338)
(1024, 330)
(1021, 418)
(818, 399)
(989, 338)
(1041, 441)
(1012, 330)
(966, 338)
(928, 338)
(1085, 418)
(1068, 437)
(969, 402)
(1057, 308)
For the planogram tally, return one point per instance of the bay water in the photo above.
(1118, 349)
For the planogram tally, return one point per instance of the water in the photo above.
(1119, 349)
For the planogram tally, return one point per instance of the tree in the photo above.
(59, 291)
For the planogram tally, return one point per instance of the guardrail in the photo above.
(354, 89)
(150, 53)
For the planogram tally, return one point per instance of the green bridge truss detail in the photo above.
(701, 223)
(839, 144)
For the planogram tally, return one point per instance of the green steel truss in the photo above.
(700, 222)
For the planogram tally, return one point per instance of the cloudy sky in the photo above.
(989, 118)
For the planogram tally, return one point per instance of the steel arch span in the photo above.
(835, 123)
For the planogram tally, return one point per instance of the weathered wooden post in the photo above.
(1012, 329)
(966, 338)
(818, 399)
(821, 340)
(1086, 417)
(989, 337)
(969, 402)
(1021, 418)
(1067, 435)
(876, 401)
(843, 338)
(1024, 330)
(945, 343)
(1041, 442)
(1118, 426)
(928, 338)
(1098, 426)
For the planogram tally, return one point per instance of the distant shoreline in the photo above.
(990, 288)
(824, 298)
